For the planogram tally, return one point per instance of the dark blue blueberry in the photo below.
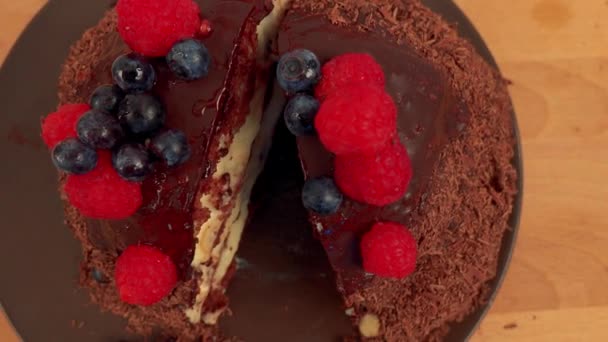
(98, 276)
(189, 59)
(73, 156)
(171, 146)
(141, 114)
(132, 162)
(321, 195)
(298, 70)
(300, 114)
(99, 129)
(133, 73)
(106, 98)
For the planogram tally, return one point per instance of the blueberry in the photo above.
(99, 129)
(141, 114)
(321, 195)
(298, 70)
(106, 98)
(300, 114)
(171, 146)
(189, 59)
(98, 276)
(133, 73)
(73, 156)
(132, 162)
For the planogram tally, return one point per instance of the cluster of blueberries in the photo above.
(128, 120)
(298, 72)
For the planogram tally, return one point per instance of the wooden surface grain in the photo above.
(556, 54)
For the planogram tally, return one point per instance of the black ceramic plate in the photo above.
(39, 258)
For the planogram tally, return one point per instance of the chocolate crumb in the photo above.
(510, 326)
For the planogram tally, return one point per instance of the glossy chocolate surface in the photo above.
(165, 218)
(429, 114)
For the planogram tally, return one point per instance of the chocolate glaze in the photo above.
(165, 218)
(429, 114)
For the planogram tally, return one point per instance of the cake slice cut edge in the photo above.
(218, 237)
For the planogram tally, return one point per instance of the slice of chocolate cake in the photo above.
(454, 118)
(194, 213)
(404, 136)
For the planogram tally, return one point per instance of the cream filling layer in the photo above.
(213, 254)
(238, 218)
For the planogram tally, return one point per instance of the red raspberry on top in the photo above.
(389, 250)
(102, 193)
(346, 70)
(61, 124)
(144, 275)
(151, 27)
(357, 119)
(377, 179)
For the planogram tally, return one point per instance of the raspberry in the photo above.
(61, 124)
(389, 250)
(358, 119)
(102, 193)
(377, 179)
(144, 275)
(346, 70)
(151, 27)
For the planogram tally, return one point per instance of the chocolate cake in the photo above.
(453, 117)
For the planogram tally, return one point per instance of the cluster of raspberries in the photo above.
(357, 121)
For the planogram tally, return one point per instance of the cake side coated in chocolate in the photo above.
(455, 120)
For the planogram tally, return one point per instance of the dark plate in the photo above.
(273, 301)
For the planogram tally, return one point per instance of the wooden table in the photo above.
(556, 54)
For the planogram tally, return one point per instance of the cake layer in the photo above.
(454, 117)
